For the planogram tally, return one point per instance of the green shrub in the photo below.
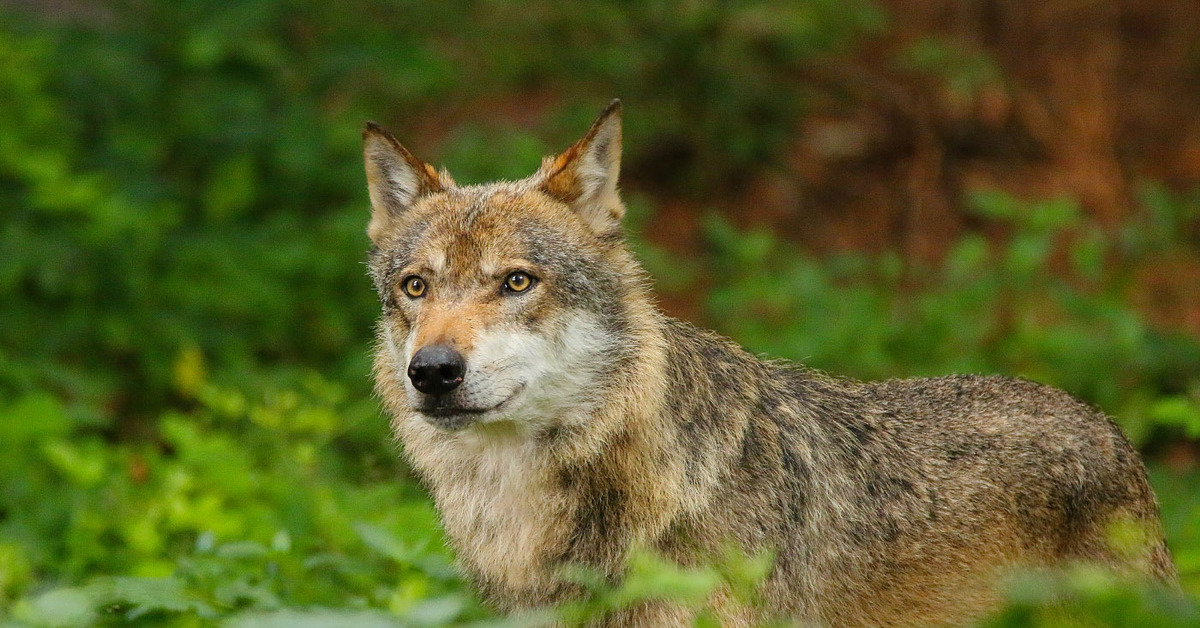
(188, 174)
(252, 503)
(1008, 308)
(186, 431)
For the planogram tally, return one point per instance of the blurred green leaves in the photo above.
(188, 174)
(1088, 596)
(1018, 307)
(250, 502)
(186, 433)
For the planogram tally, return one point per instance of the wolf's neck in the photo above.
(657, 450)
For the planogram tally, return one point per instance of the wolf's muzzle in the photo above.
(436, 369)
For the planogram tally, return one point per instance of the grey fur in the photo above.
(884, 503)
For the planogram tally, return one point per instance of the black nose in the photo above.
(436, 369)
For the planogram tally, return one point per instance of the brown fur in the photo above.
(889, 503)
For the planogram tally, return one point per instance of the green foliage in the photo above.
(195, 180)
(962, 69)
(250, 504)
(1090, 597)
(149, 221)
(1020, 308)
(186, 432)
(651, 578)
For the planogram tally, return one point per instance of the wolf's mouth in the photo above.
(442, 407)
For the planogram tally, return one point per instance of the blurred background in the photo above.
(877, 188)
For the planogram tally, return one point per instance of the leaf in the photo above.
(83, 465)
(380, 541)
(189, 371)
(994, 204)
(314, 618)
(146, 595)
(1177, 410)
(437, 611)
(242, 550)
(71, 606)
(33, 417)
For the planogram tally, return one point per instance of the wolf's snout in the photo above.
(436, 369)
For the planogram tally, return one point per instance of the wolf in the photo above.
(559, 418)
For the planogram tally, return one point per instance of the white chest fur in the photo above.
(500, 506)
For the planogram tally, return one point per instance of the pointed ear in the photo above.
(395, 179)
(585, 175)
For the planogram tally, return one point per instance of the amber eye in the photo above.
(414, 286)
(518, 282)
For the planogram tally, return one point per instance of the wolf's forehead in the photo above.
(482, 230)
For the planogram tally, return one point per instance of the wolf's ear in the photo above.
(585, 175)
(395, 179)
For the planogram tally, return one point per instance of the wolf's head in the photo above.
(504, 301)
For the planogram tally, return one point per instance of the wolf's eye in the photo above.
(518, 282)
(414, 286)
